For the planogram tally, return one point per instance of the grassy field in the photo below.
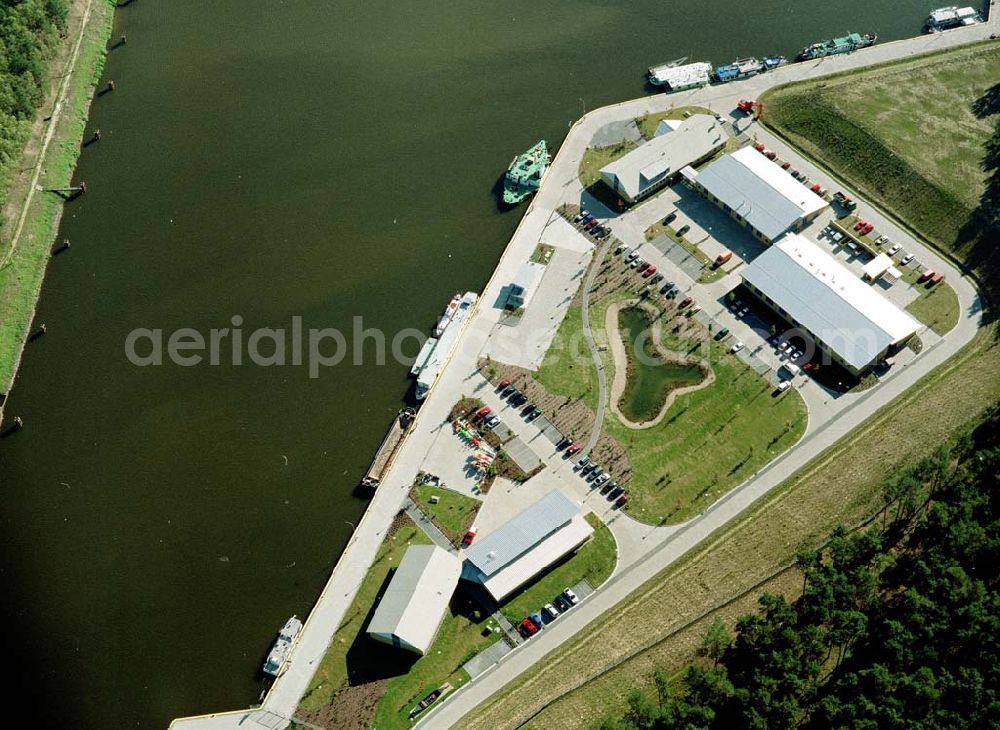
(915, 138)
(595, 562)
(21, 279)
(936, 307)
(597, 157)
(453, 514)
(568, 368)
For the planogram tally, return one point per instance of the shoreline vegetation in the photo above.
(22, 270)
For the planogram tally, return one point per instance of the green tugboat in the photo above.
(524, 176)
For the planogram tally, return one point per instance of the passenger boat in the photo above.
(282, 645)
(952, 17)
(432, 359)
(836, 46)
(655, 73)
(524, 175)
(773, 62)
(449, 312)
(741, 68)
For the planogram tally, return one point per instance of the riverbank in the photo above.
(48, 161)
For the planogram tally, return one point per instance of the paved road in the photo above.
(562, 184)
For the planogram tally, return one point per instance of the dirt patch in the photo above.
(621, 362)
(353, 708)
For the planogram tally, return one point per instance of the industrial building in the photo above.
(525, 545)
(656, 163)
(757, 193)
(410, 611)
(849, 321)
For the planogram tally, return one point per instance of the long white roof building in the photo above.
(768, 198)
(847, 316)
(526, 544)
(410, 611)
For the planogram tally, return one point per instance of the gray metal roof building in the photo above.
(410, 611)
(526, 544)
(847, 317)
(757, 192)
(653, 164)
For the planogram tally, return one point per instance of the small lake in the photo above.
(650, 378)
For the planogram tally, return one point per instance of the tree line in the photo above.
(897, 626)
(30, 31)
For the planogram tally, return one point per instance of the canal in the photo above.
(270, 160)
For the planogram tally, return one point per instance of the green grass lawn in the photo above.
(936, 307)
(568, 368)
(595, 158)
(453, 514)
(334, 668)
(595, 562)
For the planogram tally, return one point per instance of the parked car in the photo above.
(656, 279)
(845, 200)
(722, 334)
(579, 216)
(491, 423)
(672, 294)
(550, 613)
(528, 628)
(470, 536)
(483, 412)
(536, 619)
(637, 262)
(894, 249)
(504, 383)
(615, 493)
(571, 597)
(561, 603)
(644, 265)
(722, 258)
(783, 386)
(597, 230)
(512, 394)
(507, 391)
(621, 247)
(684, 302)
(534, 413)
(859, 225)
(694, 310)
(906, 259)
(925, 276)
(608, 486)
(785, 165)
(632, 256)
(868, 228)
(592, 223)
(573, 449)
(581, 464)
(881, 239)
(589, 467)
(622, 500)
(671, 216)
(667, 286)
(602, 479)
(650, 270)
(519, 400)
(737, 346)
(683, 229)
(935, 280)
(594, 475)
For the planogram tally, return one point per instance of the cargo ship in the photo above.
(741, 68)
(282, 645)
(952, 17)
(836, 46)
(436, 351)
(524, 176)
(657, 74)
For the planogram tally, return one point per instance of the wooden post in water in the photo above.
(38, 333)
(59, 248)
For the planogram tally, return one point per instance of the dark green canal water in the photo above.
(270, 160)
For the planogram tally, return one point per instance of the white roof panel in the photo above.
(847, 315)
(769, 198)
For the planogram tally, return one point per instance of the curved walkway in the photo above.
(602, 385)
(621, 363)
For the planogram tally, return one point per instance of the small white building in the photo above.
(758, 194)
(876, 267)
(847, 319)
(520, 291)
(410, 611)
(654, 164)
(525, 545)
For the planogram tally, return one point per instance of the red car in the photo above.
(622, 500)
(868, 228)
(686, 301)
(649, 272)
(816, 188)
(759, 147)
(591, 224)
(935, 279)
(483, 412)
(470, 536)
(529, 627)
(504, 383)
(808, 366)
(770, 155)
(643, 266)
(859, 225)
(785, 165)
(573, 449)
(925, 276)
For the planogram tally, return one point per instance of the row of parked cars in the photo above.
(599, 479)
(537, 620)
(518, 399)
(589, 224)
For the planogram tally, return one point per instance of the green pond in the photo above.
(650, 379)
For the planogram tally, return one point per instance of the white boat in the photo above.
(952, 17)
(656, 72)
(678, 78)
(282, 645)
(449, 312)
(443, 347)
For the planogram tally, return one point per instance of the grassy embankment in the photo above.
(589, 678)
(709, 441)
(453, 514)
(21, 279)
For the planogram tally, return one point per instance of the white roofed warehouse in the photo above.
(525, 545)
(410, 611)
(848, 319)
(758, 194)
(654, 164)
